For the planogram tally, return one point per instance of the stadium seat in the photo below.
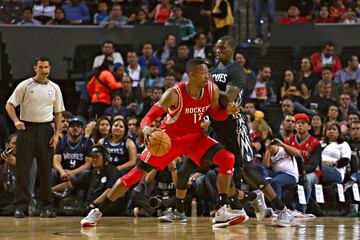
(282, 55)
(250, 53)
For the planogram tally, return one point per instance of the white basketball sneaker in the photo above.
(225, 216)
(91, 219)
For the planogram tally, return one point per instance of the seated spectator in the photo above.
(27, 18)
(59, 18)
(116, 106)
(200, 48)
(100, 87)
(151, 80)
(261, 133)
(352, 88)
(187, 29)
(107, 49)
(327, 76)
(43, 11)
(101, 129)
(11, 11)
(351, 71)
(354, 143)
(293, 16)
(140, 18)
(349, 17)
(307, 76)
(310, 150)
(133, 125)
(182, 56)
(324, 15)
(102, 13)
(161, 12)
(259, 89)
(167, 49)
(333, 114)
(321, 102)
(7, 173)
(243, 61)
(115, 19)
(335, 155)
(288, 127)
(147, 57)
(249, 107)
(170, 66)
(317, 126)
(129, 95)
(121, 149)
(69, 156)
(148, 102)
(66, 115)
(169, 81)
(337, 9)
(77, 12)
(326, 58)
(279, 157)
(97, 182)
(118, 71)
(296, 91)
(135, 71)
(345, 128)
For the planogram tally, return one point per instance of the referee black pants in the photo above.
(33, 143)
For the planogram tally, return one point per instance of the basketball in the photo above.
(159, 143)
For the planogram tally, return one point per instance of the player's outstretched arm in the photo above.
(219, 113)
(168, 99)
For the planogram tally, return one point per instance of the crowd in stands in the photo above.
(319, 117)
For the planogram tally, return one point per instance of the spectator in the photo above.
(27, 18)
(284, 168)
(11, 11)
(151, 80)
(101, 129)
(170, 81)
(122, 150)
(135, 71)
(335, 155)
(140, 18)
(324, 15)
(102, 13)
(133, 125)
(310, 150)
(350, 87)
(295, 90)
(317, 126)
(222, 17)
(326, 58)
(116, 106)
(97, 182)
(259, 89)
(147, 57)
(200, 48)
(69, 156)
(115, 19)
(357, 8)
(7, 172)
(167, 50)
(288, 128)
(118, 71)
(354, 143)
(293, 16)
(77, 12)
(307, 76)
(129, 95)
(262, 132)
(43, 11)
(161, 12)
(333, 114)
(170, 66)
(320, 103)
(183, 55)
(337, 9)
(108, 50)
(66, 115)
(100, 87)
(345, 106)
(149, 101)
(187, 29)
(287, 107)
(259, 7)
(59, 18)
(249, 107)
(351, 71)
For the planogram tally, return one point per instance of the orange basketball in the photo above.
(159, 144)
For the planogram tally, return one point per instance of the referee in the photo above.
(40, 100)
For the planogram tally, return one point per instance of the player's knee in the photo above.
(225, 161)
(132, 177)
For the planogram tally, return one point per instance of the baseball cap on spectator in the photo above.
(302, 116)
(77, 119)
(117, 65)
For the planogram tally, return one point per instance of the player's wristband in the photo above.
(154, 113)
(218, 113)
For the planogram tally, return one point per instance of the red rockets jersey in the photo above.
(187, 116)
(306, 147)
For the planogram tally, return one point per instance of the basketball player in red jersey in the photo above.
(186, 105)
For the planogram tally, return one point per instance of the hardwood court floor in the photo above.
(64, 228)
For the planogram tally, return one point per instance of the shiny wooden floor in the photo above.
(197, 228)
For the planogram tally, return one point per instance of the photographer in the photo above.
(7, 172)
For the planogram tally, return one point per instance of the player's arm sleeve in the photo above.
(314, 160)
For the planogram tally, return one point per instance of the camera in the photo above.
(6, 153)
(155, 202)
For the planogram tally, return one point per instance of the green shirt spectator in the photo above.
(185, 24)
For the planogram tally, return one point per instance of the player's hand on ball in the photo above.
(233, 108)
(147, 133)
